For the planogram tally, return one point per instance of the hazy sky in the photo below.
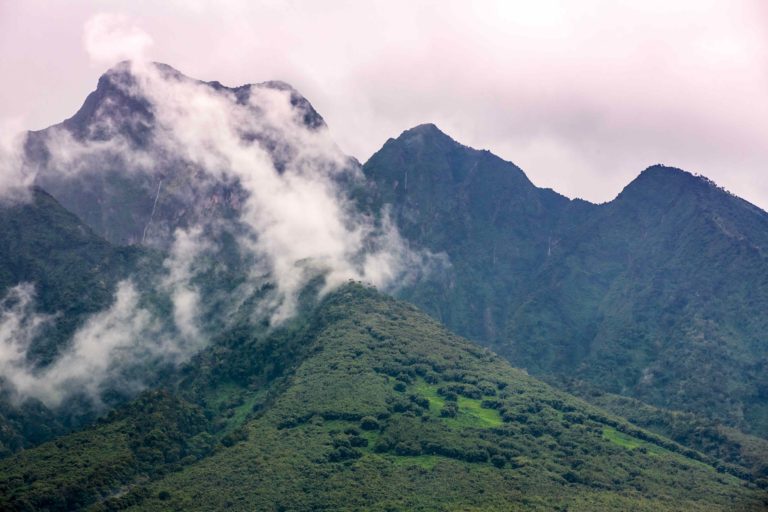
(581, 94)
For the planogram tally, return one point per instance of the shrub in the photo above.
(369, 423)
(343, 453)
(449, 410)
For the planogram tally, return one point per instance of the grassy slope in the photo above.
(697, 432)
(377, 407)
(380, 362)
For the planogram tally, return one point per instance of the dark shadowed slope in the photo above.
(65, 272)
(660, 294)
(482, 211)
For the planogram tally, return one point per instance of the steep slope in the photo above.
(676, 276)
(659, 294)
(482, 211)
(114, 165)
(381, 408)
(66, 273)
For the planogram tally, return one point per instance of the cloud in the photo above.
(14, 177)
(178, 283)
(119, 338)
(252, 166)
(298, 221)
(19, 326)
(110, 38)
(116, 349)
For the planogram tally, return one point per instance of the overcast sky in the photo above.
(582, 95)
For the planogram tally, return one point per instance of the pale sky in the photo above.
(582, 95)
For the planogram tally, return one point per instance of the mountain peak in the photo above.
(660, 183)
(117, 88)
(424, 129)
(124, 74)
(661, 171)
(426, 132)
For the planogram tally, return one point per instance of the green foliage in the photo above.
(660, 294)
(74, 273)
(332, 432)
(697, 432)
(155, 434)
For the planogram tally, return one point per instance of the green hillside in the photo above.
(660, 294)
(373, 406)
(74, 273)
(74, 270)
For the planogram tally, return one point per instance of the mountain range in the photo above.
(280, 387)
(659, 294)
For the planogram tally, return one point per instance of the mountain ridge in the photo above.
(587, 266)
(356, 399)
(554, 284)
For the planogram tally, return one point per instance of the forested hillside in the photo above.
(659, 294)
(379, 408)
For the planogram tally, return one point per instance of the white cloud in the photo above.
(109, 38)
(185, 296)
(300, 222)
(104, 352)
(19, 326)
(14, 177)
(294, 223)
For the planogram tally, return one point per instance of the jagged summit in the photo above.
(425, 129)
(136, 110)
(427, 134)
(125, 69)
(663, 174)
(438, 158)
(117, 96)
(660, 185)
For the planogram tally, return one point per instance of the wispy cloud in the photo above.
(252, 164)
(110, 38)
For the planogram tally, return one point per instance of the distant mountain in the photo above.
(109, 165)
(364, 402)
(659, 294)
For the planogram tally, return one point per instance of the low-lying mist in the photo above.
(253, 166)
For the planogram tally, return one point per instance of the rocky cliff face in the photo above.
(117, 166)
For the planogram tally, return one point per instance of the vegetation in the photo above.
(659, 294)
(363, 402)
(697, 432)
(355, 421)
(74, 273)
